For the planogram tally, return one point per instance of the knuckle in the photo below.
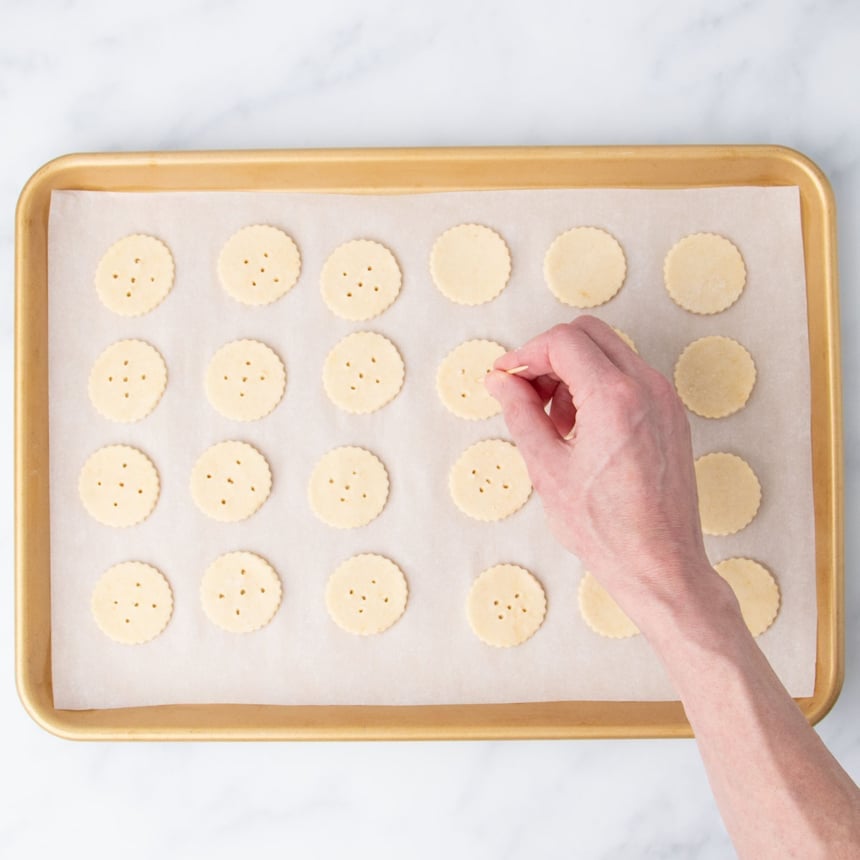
(560, 330)
(589, 322)
(625, 395)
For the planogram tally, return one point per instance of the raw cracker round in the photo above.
(460, 379)
(360, 280)
(245, 380)
(132, 602)
(127, 381)
(348, 487)
(470, 264)
(230, 481)
(715, 376)
(585, 267)
(259, 264)
(363, 372)
(366, 594)
(704, 273)
(489, 481)
(729, 493)
(135, 275)
(240, 592)
(118, 486)
(755, 589)
(506, 605)
(600, 611)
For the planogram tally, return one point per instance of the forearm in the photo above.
(780, 791)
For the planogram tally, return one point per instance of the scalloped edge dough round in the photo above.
(729, 493)
(715, 376)
(756, 591)
(360, 280)
(585, 267)
(139, 484)
(337, 479)
(366, 594)
(363, 372)
(600, 611)
(704, 273)
(476, 467)
(133, 260)
(231, 589)
(258, 247)
(230, 504)
(115, 600)
(460, 379)
(252, 361)
(141, 394)
(509, 594)
(470, 264)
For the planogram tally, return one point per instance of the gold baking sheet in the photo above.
(403, 171)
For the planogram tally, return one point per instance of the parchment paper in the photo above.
(431, 654)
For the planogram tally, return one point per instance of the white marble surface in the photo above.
(159, 75)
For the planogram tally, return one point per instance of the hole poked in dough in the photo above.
(363, 372)
(348, 487)
(460, 379)
(489, 481)
(366, 594)
(135, 275)
(360, 280)
(230, 481)
(259, 264)
(506, 605)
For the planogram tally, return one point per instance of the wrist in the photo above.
(693, 609)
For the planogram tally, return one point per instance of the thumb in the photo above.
(530, 427)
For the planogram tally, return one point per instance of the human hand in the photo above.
(620, 493)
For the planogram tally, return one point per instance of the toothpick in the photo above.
(514, 370)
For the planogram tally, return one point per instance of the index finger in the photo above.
(565, 352)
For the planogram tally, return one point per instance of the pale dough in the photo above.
(119, 486)
(600, 611)
(470, 264)
(729, 493)
(245, 380)
(127, 380)
(135, 275)
(755, 589)
(704, 273)
(363, 372)
(240, 592)
(360, 279)
(348, 488)
(230, 481)
(132, 602)
(460, 379)
(585, 267)
(366, 594)
(626, 338)
(715, 376)
(506, 605)
(489, 481)
(259, 264)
